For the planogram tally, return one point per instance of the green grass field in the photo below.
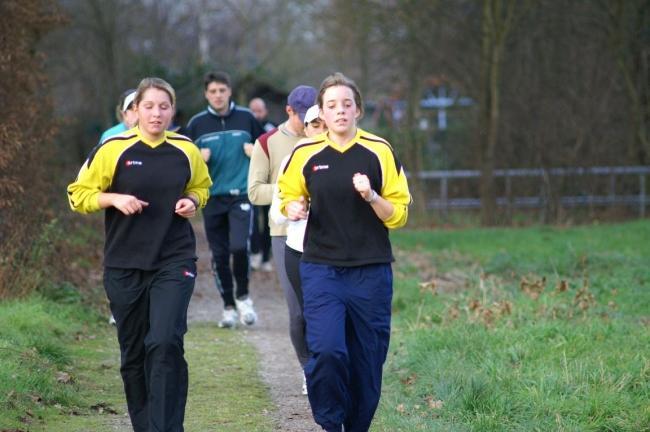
(536, 329)
(36, 378)
(59, 371)
(531, 329)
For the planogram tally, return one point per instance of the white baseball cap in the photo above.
(311, 114)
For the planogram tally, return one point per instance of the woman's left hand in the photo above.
(185, 208)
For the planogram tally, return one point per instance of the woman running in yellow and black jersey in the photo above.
(149, 181)
(355, 190)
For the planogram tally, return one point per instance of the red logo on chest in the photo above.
(319, 167)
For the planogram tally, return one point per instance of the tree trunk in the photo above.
(415, 144)
(496, 24)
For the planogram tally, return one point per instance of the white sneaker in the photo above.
(229, 318)
(111, 320)
(266, 266)
(255, 261)
(304, 384)
(247, 314)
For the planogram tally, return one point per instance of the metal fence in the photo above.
(445, 202)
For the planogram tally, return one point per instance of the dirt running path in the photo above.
(278, 367)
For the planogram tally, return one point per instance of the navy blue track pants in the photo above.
(348, 312)
(150, 310)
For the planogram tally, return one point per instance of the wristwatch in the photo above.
(373, 196)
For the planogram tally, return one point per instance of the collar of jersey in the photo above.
(231, 107)
(347, 145)
(152, 144)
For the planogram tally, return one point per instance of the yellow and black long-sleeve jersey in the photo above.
(343, 229)
(159, 173)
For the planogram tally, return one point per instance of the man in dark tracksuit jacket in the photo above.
(224, 133)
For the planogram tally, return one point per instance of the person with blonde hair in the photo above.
(149, 182)
(351, 188)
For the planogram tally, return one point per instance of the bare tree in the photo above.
(553, 82)
(499, 16)
(409, 31)
(627, 23)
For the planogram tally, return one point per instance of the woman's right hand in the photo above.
(297, 210)
(127, 204)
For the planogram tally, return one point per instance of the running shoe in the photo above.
(229, 318)
(247, 314)
(255, 261)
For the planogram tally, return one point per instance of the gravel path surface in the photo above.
(279, 367)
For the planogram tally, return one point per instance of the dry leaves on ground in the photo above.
(64, 378)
